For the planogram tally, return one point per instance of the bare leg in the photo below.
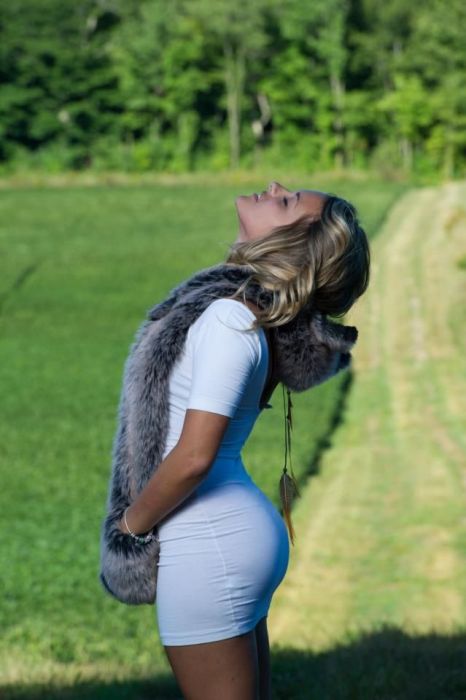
(263, 655)
(227, 669)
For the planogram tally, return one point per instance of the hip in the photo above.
(233, 534)
(236, 513)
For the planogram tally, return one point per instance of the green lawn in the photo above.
(81, 266)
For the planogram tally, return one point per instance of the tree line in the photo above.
(209, 84)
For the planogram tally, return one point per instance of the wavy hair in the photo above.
(316, 264)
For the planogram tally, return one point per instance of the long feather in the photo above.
(288, 486)
(288, 489)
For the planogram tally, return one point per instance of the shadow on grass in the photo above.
(324, 442)
(387, 664)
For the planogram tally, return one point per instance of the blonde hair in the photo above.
(320, 264)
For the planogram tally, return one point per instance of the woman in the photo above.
(223, 545)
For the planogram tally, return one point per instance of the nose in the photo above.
(275, 188)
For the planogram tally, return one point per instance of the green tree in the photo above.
(437, 53)
(144, 84)
(306, 77)
(57, 83)
(168, 78)
(408, 110)
(240, 30)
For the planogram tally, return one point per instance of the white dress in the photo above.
(224, 549)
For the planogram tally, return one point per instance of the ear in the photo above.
(336, 335)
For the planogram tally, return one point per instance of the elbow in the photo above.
(200, 469)
(195, 465)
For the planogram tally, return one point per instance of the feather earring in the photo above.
(288, 486)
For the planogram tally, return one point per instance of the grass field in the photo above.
(381, 523)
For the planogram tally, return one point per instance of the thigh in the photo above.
(263, 659)
(226, 669)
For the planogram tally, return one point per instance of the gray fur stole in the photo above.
(307, 351)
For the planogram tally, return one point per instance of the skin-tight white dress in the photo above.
(224, 549)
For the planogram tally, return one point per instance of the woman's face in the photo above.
(276, 206)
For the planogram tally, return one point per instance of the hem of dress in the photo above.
(199, 638)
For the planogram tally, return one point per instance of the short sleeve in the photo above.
(224, 357)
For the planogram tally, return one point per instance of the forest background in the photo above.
(208, 85)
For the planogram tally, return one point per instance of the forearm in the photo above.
(173, 481)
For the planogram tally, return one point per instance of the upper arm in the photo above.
(224, 358)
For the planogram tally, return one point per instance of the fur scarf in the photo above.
(307, 351)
